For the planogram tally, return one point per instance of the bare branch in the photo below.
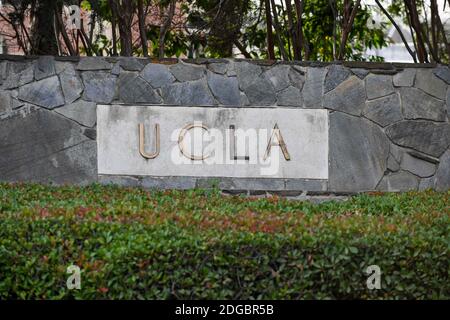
(278, 31)
(165, 27)
(402, 36)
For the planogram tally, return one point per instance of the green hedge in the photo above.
(131, 243)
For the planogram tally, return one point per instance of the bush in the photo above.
(133, 243)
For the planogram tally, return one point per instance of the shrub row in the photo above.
(135, 244)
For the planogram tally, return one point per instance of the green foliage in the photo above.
(318, 29)
(135, 243)
(213, 27)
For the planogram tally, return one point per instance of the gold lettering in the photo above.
(280, 142)
(183, 132)
(142, 142)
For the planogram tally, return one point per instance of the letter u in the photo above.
(142, 142)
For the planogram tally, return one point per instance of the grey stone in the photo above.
(17, 103)
(428, 82)
(194, 93)
(93, 63)
(243, 99)
(51, 149)
(131, 64)
(399, 181)
(44, 67)
(396, 152)
(423, 156)
(157, 75)
(81, 111)
(258, 184)
(405, 78)
(231, 69)
(290, 96)
(336, 75)
(425, 136)
(187, 72)
(3, 71)
(360, 73)
(134, 89)
(45, 93)
(448, 103)
(392, 164)
(348, 97)
(419, 105)
(313, 88)
(218, 67)
(306, 185)
(297, 77)
(225, 89)
(116, 69)
(443, 173)
(19, 79)
(247, 73)
(91, 133)
(235, 192)
(279, 76)
(99, 87)
(358, 153)
(426, 183)
(15, 67)
(5, 101)
(262, 193)
(124, 181)
(385, 110)
(443, 72)
(60, 66)
(417, 166)
(378, 85)
(264, 184)
(71, 84)
(261, 92)
(21, 112)
(180, 183)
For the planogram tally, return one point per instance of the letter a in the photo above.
(280, 142)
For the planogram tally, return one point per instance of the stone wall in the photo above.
(389, 123)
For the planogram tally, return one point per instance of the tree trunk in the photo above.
(349, 18)
(124, 13)
(142, 31)
(113, 28)
(299, 5)
(415, 23)
(165, 27)
(293, 31)
(276, 25)
(63, 31)
(125, 28)
(43, 36)
(270, 44)
(333, 8)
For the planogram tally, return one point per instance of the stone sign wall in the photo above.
(388, 128)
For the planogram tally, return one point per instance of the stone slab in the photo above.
(305, 133)
(42, 146)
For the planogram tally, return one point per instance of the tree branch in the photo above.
(413, 55)
(278, 30)
(347, 27)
